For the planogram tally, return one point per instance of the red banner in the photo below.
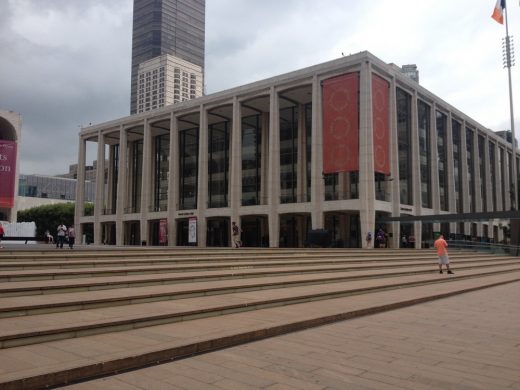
(163, 231)
(7, 173)
(341, 123)
(381, 124)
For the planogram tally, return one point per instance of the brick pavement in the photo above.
(469, 341)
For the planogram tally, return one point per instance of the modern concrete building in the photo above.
(337, 146)
(167, 80)
(174, 27)
(411, 71)
(10, 133)
(52, 187)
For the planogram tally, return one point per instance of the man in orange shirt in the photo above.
(441, 246)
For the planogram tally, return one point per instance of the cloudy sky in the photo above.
(66, 63)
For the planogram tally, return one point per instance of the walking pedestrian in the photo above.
(2, 232)
(61, 231)
(235, 234)
(441, 246)
(368, 239)
(71, 233)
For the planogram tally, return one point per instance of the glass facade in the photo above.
(471, 169)
(188, 168)
(161, 170)
(457, 164)
(510, 175)
(288, 154)
(442, 158)
(251, 160)
(423, 114)
(36, 186)
(482, 171)
(175, 27)
(136, 171)
(308, 147)
(404, 135)
(503, 174)
(492, 176)
(218, 164)
(115, 176)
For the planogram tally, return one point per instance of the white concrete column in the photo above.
(434, 172)
(173, 180)
(450, 171)
(506, 181)
(301, 167)
(395, 194)
(79, 211)
(146, 181)
(367, 191)
(264, 169)
(274, 168)
(235, 164)
(99, 203)
(317, 181)
(464, 191)
(202, 182)
(488, 188)
(121, 184)
(498, 174)
(110, 178)
(416, 170)
(477, 181)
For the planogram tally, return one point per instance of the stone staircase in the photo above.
(67, 316)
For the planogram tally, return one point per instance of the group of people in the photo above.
(63, 234)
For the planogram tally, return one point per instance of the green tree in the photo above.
(48, 217)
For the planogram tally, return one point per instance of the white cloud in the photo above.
(67, 62)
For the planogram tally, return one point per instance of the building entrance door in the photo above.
(218, 232)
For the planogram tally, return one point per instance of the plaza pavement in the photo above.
(69, 316)
(468, 341)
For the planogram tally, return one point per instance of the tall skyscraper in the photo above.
(174, 27)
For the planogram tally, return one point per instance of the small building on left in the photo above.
(10, 135)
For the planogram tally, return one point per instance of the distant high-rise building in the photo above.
(411, 71)
(167, 80)
(174, 27)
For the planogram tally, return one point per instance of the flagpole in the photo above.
(508, 63)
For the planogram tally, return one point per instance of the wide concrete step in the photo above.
(55, 303)
(47, 327)
(55, 282)
(65, 361)
(195, 254)
(52, 273)
(228, 260)
(121, 253)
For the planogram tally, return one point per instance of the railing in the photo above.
(107, 211)
(158, 208)
(511, 250)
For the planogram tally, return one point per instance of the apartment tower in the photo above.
(160, 27)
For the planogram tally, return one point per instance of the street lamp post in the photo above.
(509, 61)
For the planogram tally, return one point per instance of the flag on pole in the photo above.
(498, 12)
